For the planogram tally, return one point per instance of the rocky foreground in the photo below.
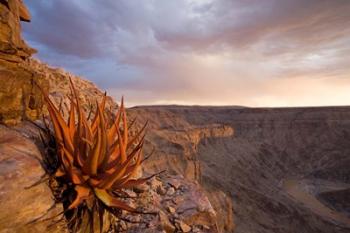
(175, 204)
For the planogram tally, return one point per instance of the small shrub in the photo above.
(95, 161)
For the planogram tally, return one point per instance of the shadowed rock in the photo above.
(269, 146)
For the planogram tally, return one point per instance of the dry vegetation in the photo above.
(96, 161)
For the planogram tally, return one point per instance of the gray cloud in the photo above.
(183, 50)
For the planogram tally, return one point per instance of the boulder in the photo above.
(20, 203)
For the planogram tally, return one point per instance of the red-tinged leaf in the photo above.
(64, 160)
(79, 110)
(59, 125)
(111, 201)
(103, 157)
(92, 160)
(112, 132)
(125, 126)
(112, 164)
(121, 147)
(76, 176)
(81, 157)
(94, 181)
(85, 144)
(56, 126)
(95, 121)
(90, 112)
(132, 183)
(117, 161)
(114, 151)
(112, 136)
(130, 171)
(60, 172)
(119, 171)
(87, 131)
(71, 120)
(68, 156)
(138, 134)
(51, 108)
(82, 193)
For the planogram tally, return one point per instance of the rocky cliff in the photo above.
(18, 95)
(12, 46)
(181, 205)
(20, 74)
(21, 99)
(285, 170)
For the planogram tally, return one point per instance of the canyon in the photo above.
(229, 169)
(250, 156)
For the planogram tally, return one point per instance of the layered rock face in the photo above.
(59, 89)
(12, 46)
(286, 170)
(18, 95)
(175, 142)
(20, 75)
(21, 98)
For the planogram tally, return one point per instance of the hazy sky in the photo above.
(219, 52)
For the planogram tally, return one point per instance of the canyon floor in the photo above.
(277, 169)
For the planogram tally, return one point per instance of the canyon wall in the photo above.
(251, 158)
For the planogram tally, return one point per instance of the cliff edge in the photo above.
(181, 204)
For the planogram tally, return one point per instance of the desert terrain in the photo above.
(285, 169)
(228, 169)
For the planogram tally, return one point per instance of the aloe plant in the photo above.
(96, 158)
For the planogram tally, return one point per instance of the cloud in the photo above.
(200, 51)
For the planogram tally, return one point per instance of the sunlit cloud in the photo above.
(223, 52)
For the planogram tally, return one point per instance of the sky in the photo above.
(201, 52)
